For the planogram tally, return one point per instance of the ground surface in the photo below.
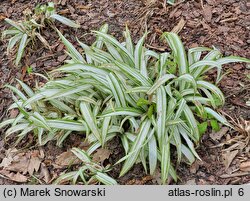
(222, 23)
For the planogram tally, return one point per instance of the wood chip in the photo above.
(62, 58)
(179, 26)
(207, 13)
(2, 17)
(83, 7)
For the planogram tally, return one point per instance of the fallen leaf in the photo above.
(10, 153)
(218, 135)
(14, 177)
(6, 162)
(101, 154)
(41, 153)
(245, 166)
(67, 158)
(20, 163)
(34, 165)
(45, 173)
(228, 157)
(35, 153)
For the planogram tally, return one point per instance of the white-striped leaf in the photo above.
(65, 20)
(145, 127)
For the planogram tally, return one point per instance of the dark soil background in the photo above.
(224, 24)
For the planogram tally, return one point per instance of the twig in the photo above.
(4, 177)
(202, 5)
(179, 26)
(229, 19)
(224, 176)
(162, 49)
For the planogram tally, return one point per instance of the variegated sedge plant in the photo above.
(153, 101)
(24, 32)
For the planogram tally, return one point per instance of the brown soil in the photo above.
(219, 23)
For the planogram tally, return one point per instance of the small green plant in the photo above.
(158, 104)
(46, 14)
(29, 70)
(89, 172)
(24, 32)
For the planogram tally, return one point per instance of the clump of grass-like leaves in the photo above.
(156, 103)
(25, 32)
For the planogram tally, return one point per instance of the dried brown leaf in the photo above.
(6, 162)
(101, 154)
(45, 173)
(34, 165)
(218, 135)
(62, 58)
(9, 154)
(245, 166)
(67, 158)
(14, 177)
(228, 157)
(20, 163)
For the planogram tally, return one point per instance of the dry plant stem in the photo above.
(202, 4)
(241, 174)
